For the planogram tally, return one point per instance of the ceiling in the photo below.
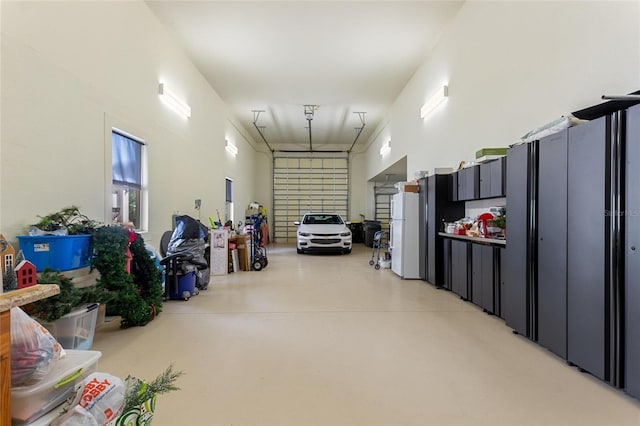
(342, 62)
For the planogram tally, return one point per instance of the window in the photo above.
(128, 189)
(228, 214)
(8, 262)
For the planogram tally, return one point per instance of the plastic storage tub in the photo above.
(58, 252)
(76, 329)
(29, 403)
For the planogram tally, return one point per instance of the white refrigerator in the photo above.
(404, 235)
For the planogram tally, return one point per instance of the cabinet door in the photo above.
(432, 233)
(482, 282)
(516, 303)
(497, 281)
(632, 255)
(453, 186)
(476, 274)
(501, 284)
(469, 182)
(552, 243)
(497, 171)
(487, 278)
(446, 262)
(459, 268)
(423, 231)
(462, 184)
(588, 192)
(473, 183)
(485, 179)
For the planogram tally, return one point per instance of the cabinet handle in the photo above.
(633, 248)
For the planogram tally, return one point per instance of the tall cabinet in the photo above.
(632, 255)
(593, 275)
(435, 210)
(552, 243)
(519, 272)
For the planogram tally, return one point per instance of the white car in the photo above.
(323, 232)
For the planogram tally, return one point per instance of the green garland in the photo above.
(126, 300)
(54, 307)
(146, 275)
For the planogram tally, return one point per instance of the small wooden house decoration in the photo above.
(7, 255)
(26, 274)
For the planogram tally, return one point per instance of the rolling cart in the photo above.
(259, 259)
(380, 242)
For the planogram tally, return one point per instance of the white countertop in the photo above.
(480, 240)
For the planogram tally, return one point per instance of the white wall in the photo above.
(357, 200)
(511, 67)
(70, 71)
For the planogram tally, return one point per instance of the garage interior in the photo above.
(300, 106)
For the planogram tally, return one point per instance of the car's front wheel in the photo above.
(299, 250)
(347, 251)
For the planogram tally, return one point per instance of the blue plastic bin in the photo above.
(58, 252)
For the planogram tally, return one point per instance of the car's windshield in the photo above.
(322, 219)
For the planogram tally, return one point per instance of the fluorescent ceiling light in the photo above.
(436, 99)
(231, 148)
(173, 101)
(385, 149)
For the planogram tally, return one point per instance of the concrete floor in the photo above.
(329, 340)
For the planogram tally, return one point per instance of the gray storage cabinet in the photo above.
(438, 210)
(518, 286)
(492, 178)
(552, 243)
(588, 242)
(632, 254)
(482, 276)
(460, 268)
(468, 183)
(446, 261)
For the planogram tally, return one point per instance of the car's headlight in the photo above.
(303, 234)
(345, 234)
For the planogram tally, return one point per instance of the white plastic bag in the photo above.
(33, 349)
(99, 401)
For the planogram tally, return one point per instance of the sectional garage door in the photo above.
(307, 182)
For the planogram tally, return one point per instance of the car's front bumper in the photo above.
(324, 242)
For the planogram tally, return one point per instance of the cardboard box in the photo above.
(411, 188)
(491, 151)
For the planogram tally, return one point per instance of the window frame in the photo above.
(112, 127)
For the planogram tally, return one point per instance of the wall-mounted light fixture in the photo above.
(434, 101)
(385, 148)
(231, 148)
(174, 101)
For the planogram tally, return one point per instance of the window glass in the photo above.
(126, 160)
(228, 215)
(127, 188)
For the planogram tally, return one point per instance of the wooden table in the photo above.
(8, 301)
